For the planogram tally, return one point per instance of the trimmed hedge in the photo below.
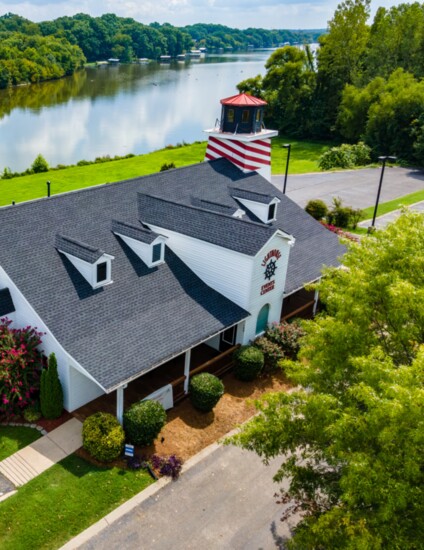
(143, 421)
(205, 391)
(103, 436)
(249, 362)
(317, 209)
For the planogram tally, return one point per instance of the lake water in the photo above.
(118, 110)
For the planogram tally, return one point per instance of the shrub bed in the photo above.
(205, 391)
(249, 361)
(143, 421)
(103, 436)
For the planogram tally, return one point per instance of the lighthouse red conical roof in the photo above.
(243, 100)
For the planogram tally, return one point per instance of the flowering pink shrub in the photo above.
(20, 367)
(338, 231)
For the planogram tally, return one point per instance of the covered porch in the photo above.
(302, 303)
(176, 373)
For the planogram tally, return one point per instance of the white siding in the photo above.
(143, 250)
(25, 315)
(213, 342)
(226, 271)
(275, 296)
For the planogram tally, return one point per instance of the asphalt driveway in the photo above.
(357, 188)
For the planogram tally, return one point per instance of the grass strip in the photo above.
(63, 501)
(395, 204)
(13, 438)
(304, 158)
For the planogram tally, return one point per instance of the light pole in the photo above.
(383, 159)
(288, 147)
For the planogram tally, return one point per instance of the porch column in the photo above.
(187, 359)
(120, 403)
(316, 298)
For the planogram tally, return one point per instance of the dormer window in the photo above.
(101, 272)
(261, 205)
(156, 252)
(148, 245)
(271, 212)
(92, 263)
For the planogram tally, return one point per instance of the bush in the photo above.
(143, 421)
(167, 166)
(343, 216)
(205, 391)
(272, 352)
(167, 466)
(287, 336)
(249, 361)
(345, 156)
(20, 367)
(32, 413)
(51, 393)
(103, 436)
(39, 165)
(317, 209)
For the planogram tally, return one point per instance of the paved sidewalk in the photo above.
(34, 459)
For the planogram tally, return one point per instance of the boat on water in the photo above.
(181, 57)
(165, 59)
(195, 53)
(143, 61)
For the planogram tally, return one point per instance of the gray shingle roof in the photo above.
(241, 235)
(77, 248)
(147, 314)
(118, 331)
(133, 231)
(6, 303)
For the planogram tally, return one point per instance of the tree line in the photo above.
(365, 82)
(34, 52)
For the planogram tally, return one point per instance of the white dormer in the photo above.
(147, 245)
(92, 263)
(262, 206)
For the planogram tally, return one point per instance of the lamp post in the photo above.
(383, 160)
(288, 147)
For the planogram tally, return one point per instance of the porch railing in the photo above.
(218, 366)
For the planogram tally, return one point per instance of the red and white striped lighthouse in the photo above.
(241, 136)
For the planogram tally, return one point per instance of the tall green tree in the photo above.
(51, 393)
(353, 439)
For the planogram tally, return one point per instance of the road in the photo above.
(357, 188)
(225, 501)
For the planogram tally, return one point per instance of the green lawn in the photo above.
(389, 206)
(13, 438)
(304, 156)
(63, 501)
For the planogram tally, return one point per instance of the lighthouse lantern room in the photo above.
(241, 136)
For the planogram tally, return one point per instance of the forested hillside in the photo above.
(33, 52)
(366, 82)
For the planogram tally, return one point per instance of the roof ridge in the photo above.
(197, 208)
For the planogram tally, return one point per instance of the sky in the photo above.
(268, 14)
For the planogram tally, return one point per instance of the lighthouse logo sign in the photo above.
(270, 264)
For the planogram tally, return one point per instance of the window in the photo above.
(156, 253)
(245, 116)
(271, 212)
(230, 115)
(229, 335)
(262, 320)
(258, 115)
(101, 272)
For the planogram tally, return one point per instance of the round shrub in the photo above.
(249, 362)
(317, 209)
(143, 421)
(103, 436)
(32, 413)
(205, 391)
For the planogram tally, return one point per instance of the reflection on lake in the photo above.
(119, 109)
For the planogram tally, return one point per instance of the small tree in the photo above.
(40, 165)
(51, 393)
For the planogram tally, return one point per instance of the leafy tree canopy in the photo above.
(353, 439)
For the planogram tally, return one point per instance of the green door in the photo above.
(262, 321)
